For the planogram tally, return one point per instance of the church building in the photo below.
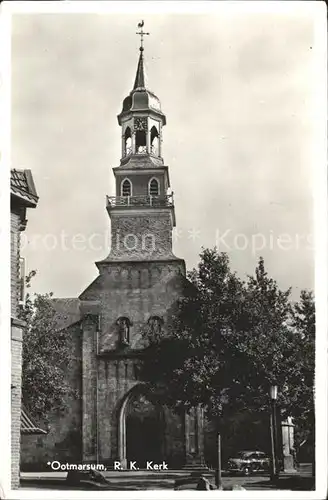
(111, 417)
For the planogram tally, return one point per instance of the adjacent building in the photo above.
(23, 196)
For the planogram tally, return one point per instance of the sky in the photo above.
(237, 88)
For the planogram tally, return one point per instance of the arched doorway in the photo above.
(141, 430)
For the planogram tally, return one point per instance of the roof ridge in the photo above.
(64, 298)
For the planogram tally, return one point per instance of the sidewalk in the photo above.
(147, 480)
(292, 482)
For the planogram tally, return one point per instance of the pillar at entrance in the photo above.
(194, 439)
(89, 388)
(287, 430)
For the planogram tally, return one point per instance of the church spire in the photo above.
(141, 118)
(140, 80)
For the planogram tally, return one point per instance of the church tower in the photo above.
(115, 418)
(136, 291)
(142, 211)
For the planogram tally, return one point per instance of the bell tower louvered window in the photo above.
(127, 142)
(154, 187)
(154, 138)
(126, 188)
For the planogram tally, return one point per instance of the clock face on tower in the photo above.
(140, 123)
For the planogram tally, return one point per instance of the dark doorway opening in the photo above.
(144, 432)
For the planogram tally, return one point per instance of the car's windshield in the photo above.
(242, 454)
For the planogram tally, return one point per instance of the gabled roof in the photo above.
(28, 426)
(22, 187)
(67, 312)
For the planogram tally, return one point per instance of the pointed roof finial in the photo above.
(140, 81)
(141, 33)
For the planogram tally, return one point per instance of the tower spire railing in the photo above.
(140, 201)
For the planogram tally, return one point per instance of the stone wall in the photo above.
(146, 236)
(116, 380)
(136, 290)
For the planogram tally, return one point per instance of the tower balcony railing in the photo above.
(141, 150)
(140, 201)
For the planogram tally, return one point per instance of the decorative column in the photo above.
(121, 396)
(148, 144)
(160, 140)
(123, 146)
(287, 431)
(89, 388)
(194, 439)
(133, 142)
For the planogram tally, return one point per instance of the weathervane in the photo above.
(141, 33)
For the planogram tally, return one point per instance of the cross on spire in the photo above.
(141, 33)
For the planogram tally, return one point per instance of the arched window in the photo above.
(141, 147)
(153, 187)
(155, 325)
(126, 188)
(154, 138)
(127, 142)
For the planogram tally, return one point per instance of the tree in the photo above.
(45, 355)
(303, 404)
(263, 345)
(185, 365)
(227, 343)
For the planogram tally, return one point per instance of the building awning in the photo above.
(28, 426)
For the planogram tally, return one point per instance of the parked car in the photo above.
(248, 462)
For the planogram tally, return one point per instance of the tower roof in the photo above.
(140, 97)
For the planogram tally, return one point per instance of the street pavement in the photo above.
(141, 480)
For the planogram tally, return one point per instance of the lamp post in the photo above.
(273, 432)
(218, 474)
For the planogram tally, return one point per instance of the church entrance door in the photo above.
(144, 432)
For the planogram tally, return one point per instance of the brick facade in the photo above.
(23, 196)
(16, 396)
(15, 222)
(16, 346)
